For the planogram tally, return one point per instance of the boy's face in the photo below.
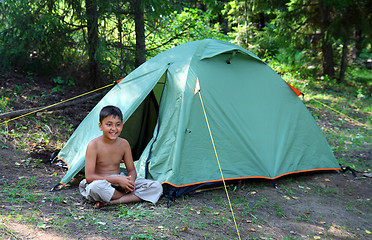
(111, 127)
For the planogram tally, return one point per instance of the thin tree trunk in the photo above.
(345, 49)
(327, 51)
(92, 25)
(139, 19)
(343, 62)
(150, 101)
(358, 41)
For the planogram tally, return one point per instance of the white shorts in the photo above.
(102, 190)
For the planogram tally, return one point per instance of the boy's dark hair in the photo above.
(110, 111)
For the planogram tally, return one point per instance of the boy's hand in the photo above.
(127, 184)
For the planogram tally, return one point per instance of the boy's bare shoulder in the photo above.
(94, 143)
(123, 141)
(95, 140)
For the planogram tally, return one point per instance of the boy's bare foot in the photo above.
(99, 204)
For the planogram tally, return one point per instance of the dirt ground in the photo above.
(323, 205)
(312, 206)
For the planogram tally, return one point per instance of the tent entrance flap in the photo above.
(140, 126)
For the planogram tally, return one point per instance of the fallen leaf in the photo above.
(294, 197)
(38, 191)
(307, 212)
(185, 229)
(252, 230)
(317, 237)
(286, 197)
(367, 175)
(42, 225)
(326, 180)
(253, 193)
(136, 220)
(322, 222)
(368, 232)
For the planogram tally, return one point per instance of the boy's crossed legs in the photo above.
(103, 193)
(119, 197)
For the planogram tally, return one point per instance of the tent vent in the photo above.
(228, 61)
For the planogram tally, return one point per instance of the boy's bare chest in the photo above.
(109, 155)
(108, 163)
(108, 158)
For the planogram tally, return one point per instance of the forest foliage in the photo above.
(90, 42)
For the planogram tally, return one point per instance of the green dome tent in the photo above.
(261, 129)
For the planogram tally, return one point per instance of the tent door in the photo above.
(139, 128)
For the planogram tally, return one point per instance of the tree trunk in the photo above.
(139, 20)
(92, 25)
(149, 107)
(327, 51)
(345, 49)
(343, 62)
(358, 41)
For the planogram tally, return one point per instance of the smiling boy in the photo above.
(103, 181)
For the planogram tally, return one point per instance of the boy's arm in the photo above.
(128, 161)
(90, 163)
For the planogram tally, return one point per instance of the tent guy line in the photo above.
(363, 124)
(197, 91)
(47, 107)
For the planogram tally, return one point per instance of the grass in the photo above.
(168, 222)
